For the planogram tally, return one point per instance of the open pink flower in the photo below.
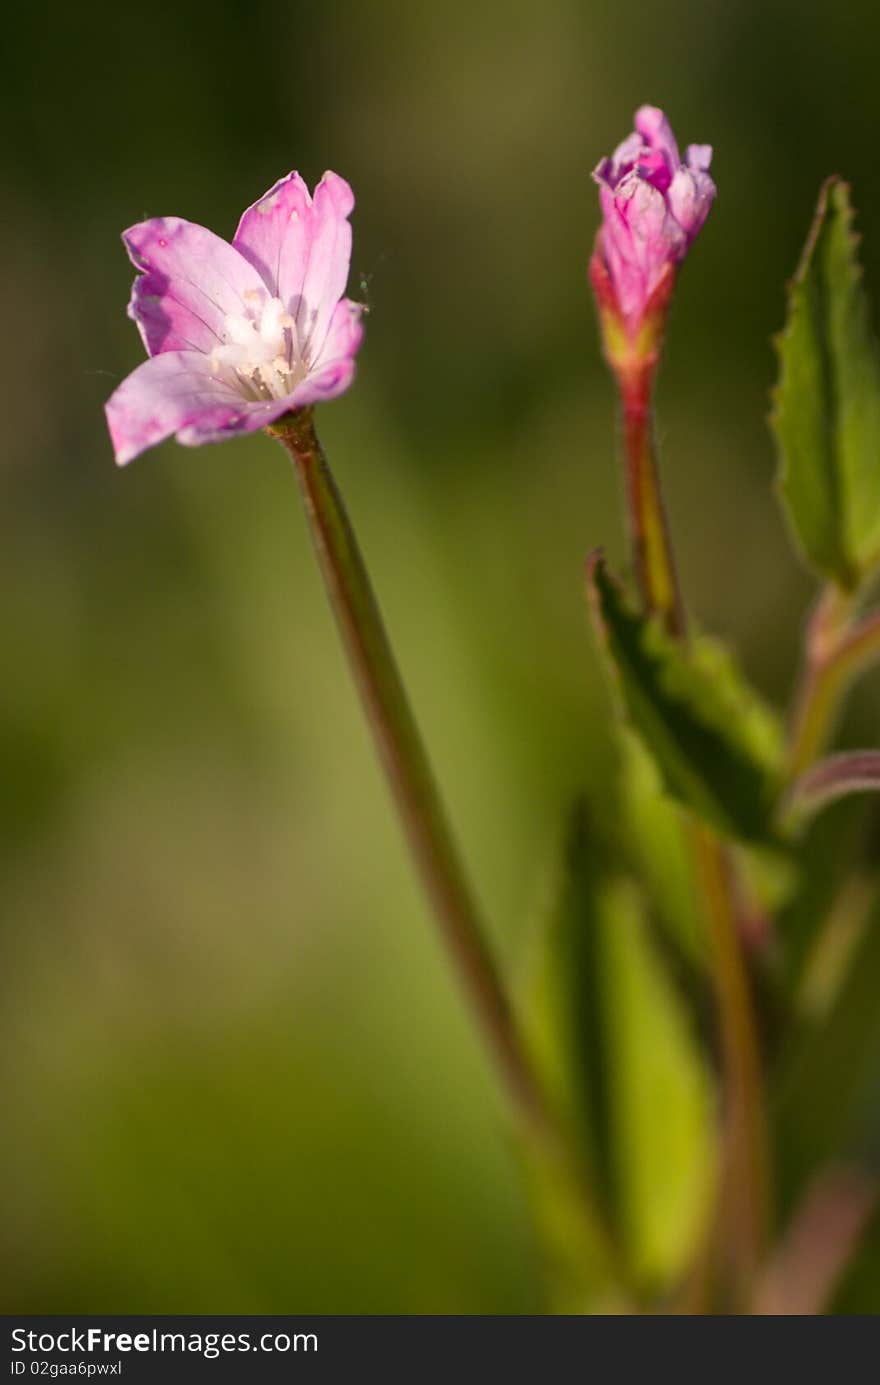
(653, 205)
(239, 334)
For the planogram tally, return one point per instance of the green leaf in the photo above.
(716, 746)
(826, 413)
(608, 1011)
(662, 1101)
(560, 995)
(657, 852)
(561, 1009)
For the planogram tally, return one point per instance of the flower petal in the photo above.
(625, 155)
(656, 131)
(177, 392)
(691, 194)
(273, 236)
(653, 205)
(302, 248)
(344, 335)
(328, 382)
(698, 156)
(190, 281)
(329, 257)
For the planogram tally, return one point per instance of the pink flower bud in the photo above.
(653, 205)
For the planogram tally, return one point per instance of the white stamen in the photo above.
(273, 311)
(240, 329)
(261, 348)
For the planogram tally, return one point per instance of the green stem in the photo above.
(744, 1184)
(402, 753)
(836, 650)
(649, 529)
(409, 774)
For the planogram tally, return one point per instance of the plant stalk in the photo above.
(403, 755)
(412, 783)
(648, 526)
(744, 1183)
(836, 649)
(819, 1243)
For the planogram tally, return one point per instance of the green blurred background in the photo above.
(236, 1072)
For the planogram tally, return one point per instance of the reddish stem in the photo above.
(648, 525)
(424, 820)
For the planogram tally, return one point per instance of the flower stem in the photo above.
(744, 1182)
(406, 766)
(649, 530)
(401, 750)
(820, 1242)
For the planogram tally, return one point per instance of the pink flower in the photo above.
(653, 205)
(239, 334)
